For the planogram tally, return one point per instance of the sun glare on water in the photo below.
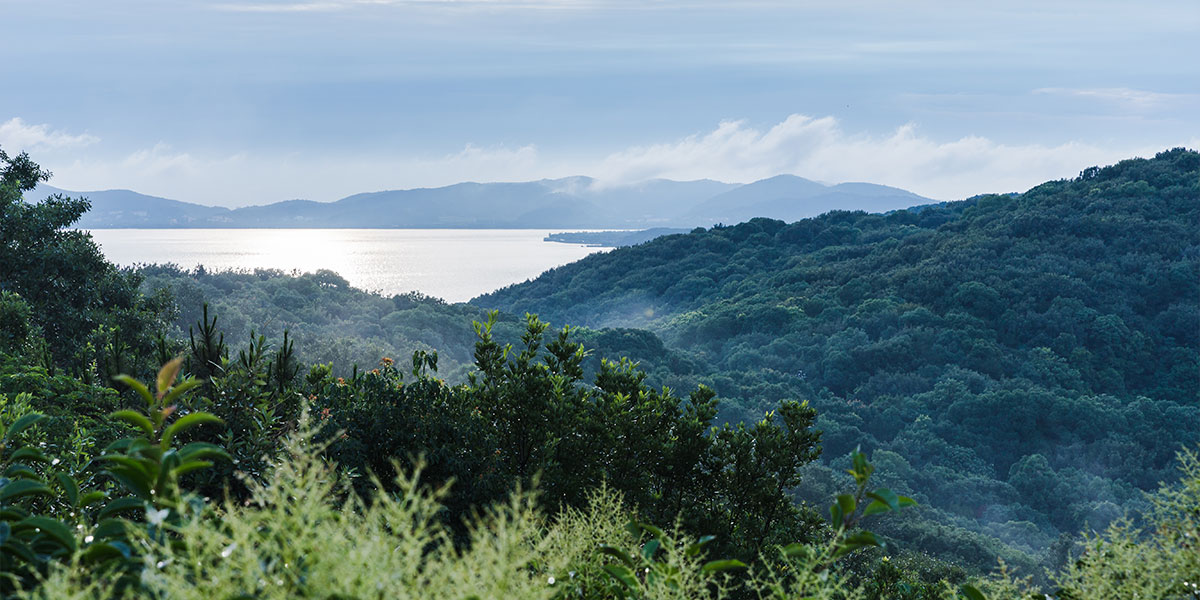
(453, 264)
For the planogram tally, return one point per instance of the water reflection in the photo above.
(453, 264)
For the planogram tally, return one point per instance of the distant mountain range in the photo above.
(578, 202)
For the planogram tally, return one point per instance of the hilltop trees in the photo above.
(978, 340)
(77, 296)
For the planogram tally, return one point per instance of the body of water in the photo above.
(453, 264)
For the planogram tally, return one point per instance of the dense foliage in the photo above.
(1023, 364)
(83, 307)
(331, 322)
(243, 470)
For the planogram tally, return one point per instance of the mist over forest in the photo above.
(853, 405)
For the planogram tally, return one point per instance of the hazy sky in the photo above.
(235, 103)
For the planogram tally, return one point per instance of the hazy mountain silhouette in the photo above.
(570, 202)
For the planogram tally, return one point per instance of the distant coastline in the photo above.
(612, 239)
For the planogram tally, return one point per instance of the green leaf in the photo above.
(887, 497)
(694, 549)
(192, 465)
(167, 375)
(55, 529)
(28, 453)
(23, 487)
(16, 546)
(875, 508)
(91, 498)
(22, 424)
(101, 552)
(639, 527)
(863, 538)
(650, 548)
(201, 450)
(138, 387)
(847, 503)
(837, 517)
(136, 419)
(616, 553)
(185, 423)
(181, 389)
(622, 574)
(18, 471)
(797, 549)
(906, 501)
(716, 566)
(134, 475)
(972, 592)
(110, 528)
(70, 487)
(855, 542)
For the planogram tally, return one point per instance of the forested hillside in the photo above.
(1023, 364)
(153, 447)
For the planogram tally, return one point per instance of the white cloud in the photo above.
(818, 148)
(18, 136)
(338, 5)
(1131, 98)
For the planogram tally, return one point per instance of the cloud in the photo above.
(1131, 98)
(18, 136)
(819, 148)
(339, 5)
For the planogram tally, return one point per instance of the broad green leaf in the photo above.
(796, 549)
(649, 549)
(716, 566)
(19, 548)
(836, 515)
(856, 542)
(22, 424)
(69, 487)
(138, 387)
(181, 389)
(91, 498)
(201, 450)
(694, 549)
(847, 503)
(136, 419)
(887, 497)
(167, 375)
(28, 453)
(623, 574)
(55, 529)
(972, 592)
(132, 474)
(23, 487)
(185, 423)
(639, 527)
(110, 528)
(101, 552)
(876, 507)
(192, 465)
(20, 471)
(617, 553)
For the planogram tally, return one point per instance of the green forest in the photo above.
(993, 398)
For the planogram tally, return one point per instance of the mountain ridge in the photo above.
(568, 202)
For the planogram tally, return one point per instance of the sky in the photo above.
(244, 102)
